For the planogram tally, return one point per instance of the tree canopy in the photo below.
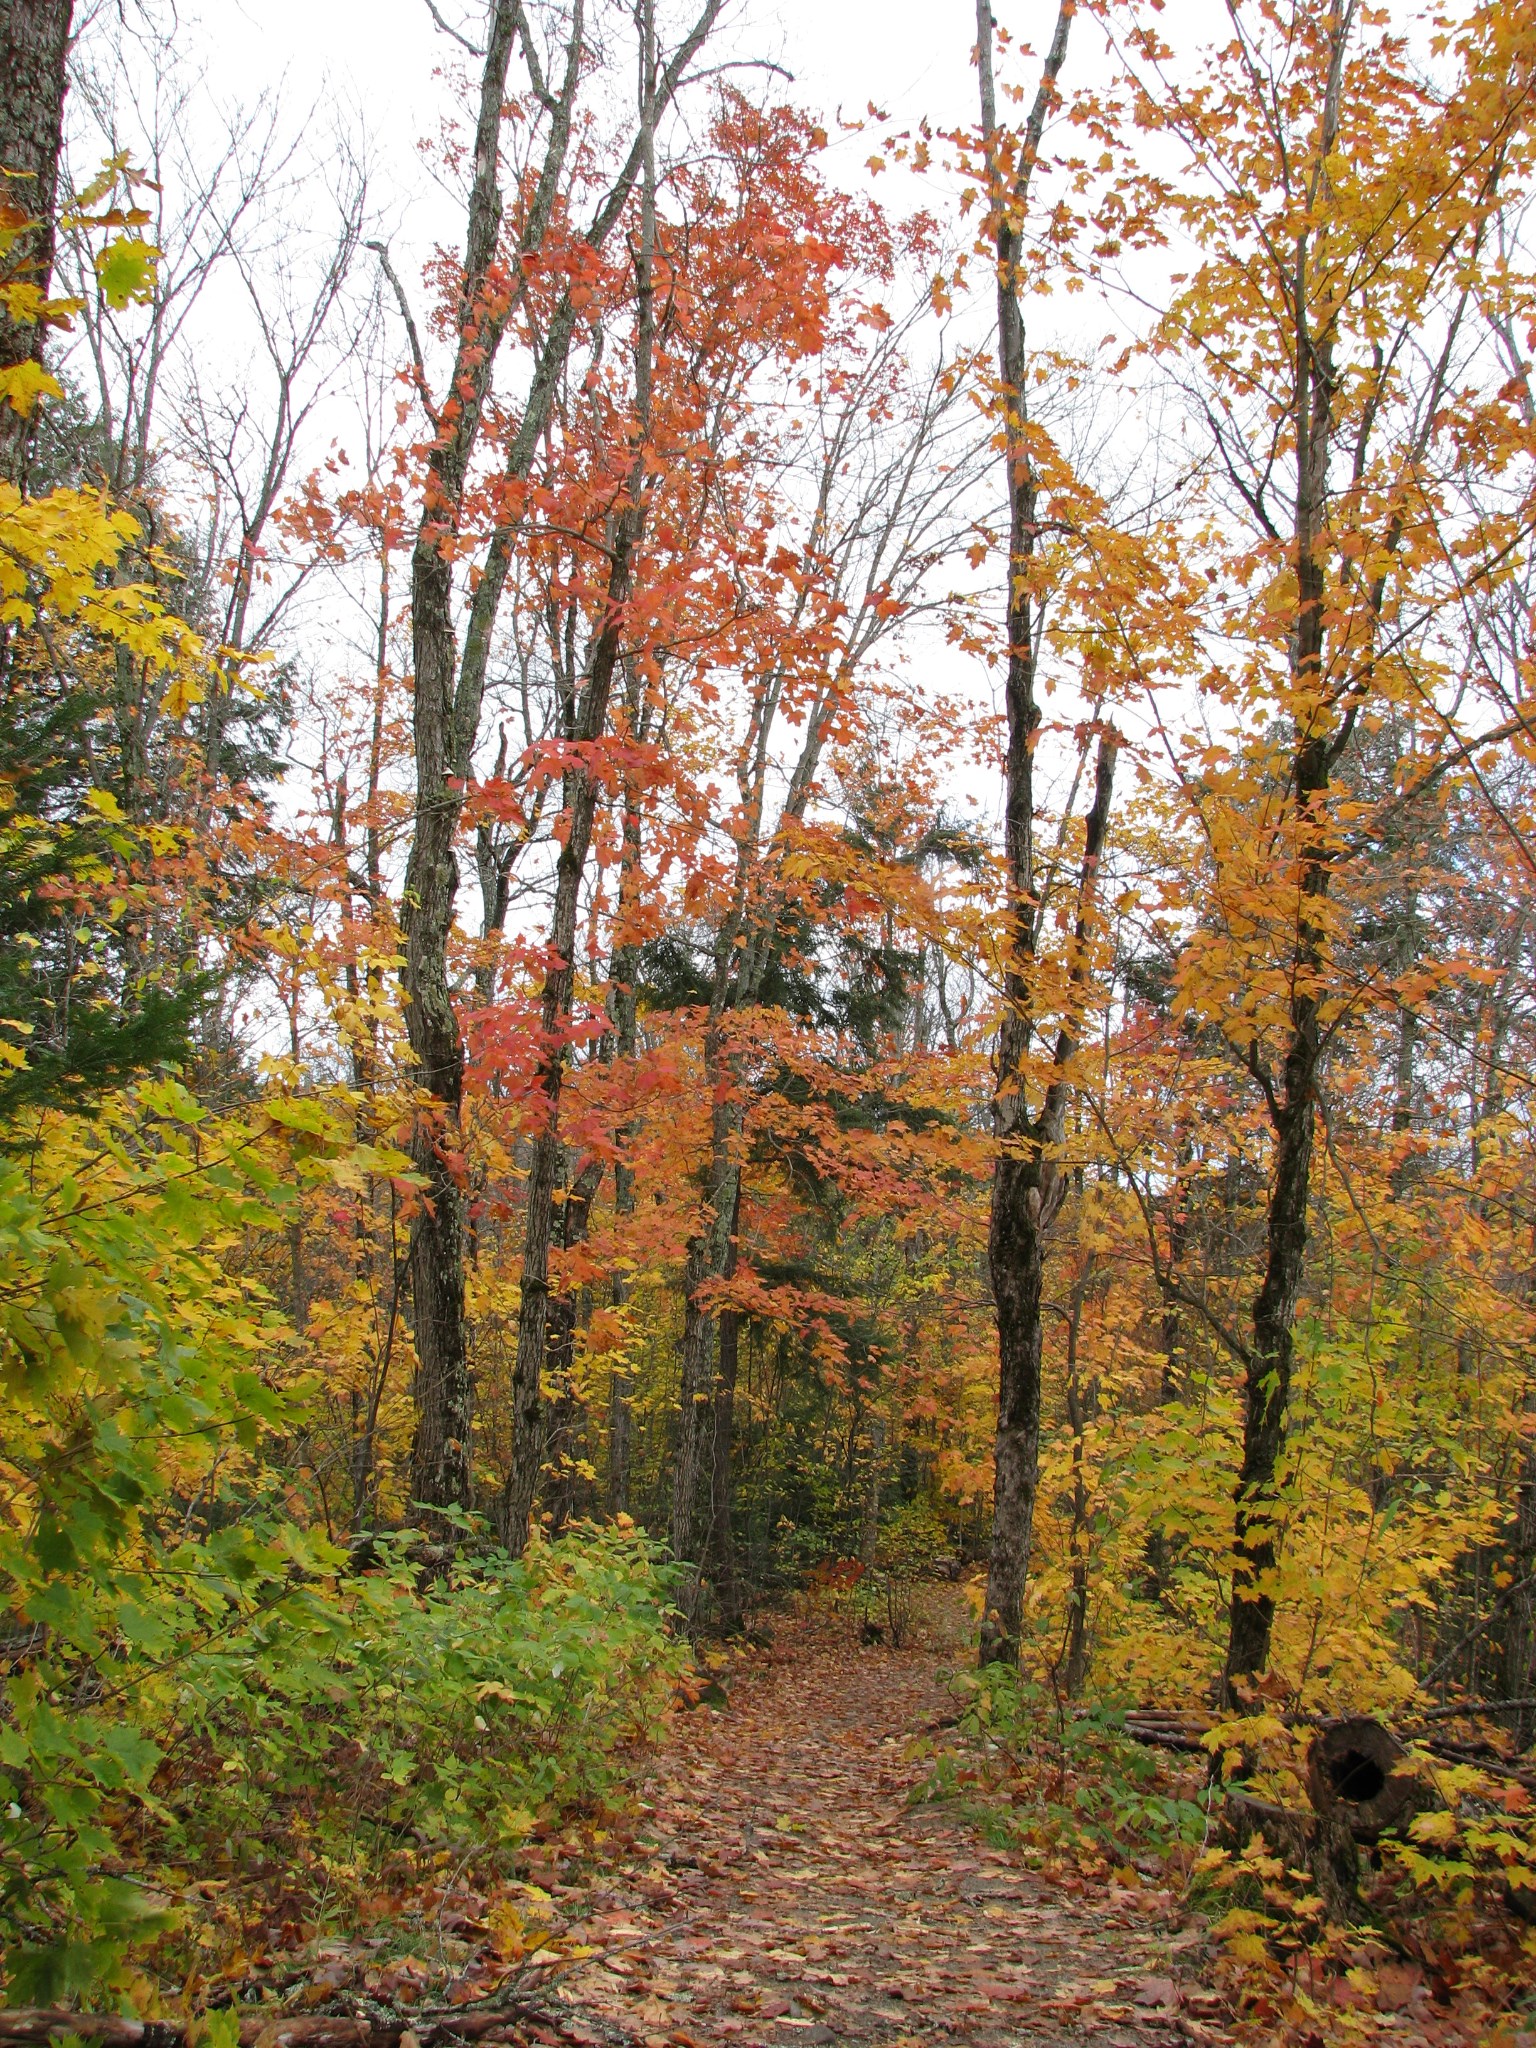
(698, 901)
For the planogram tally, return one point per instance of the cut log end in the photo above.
(1355, 1768)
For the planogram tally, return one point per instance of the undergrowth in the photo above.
(325, 1763)
(1439, 1931)
(1067, 1786)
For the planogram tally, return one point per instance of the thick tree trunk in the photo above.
(441, 1473)
(34, 44)
(1017, 1255)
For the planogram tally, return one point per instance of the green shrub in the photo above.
(136, 1380)
(912, 1540)
(1069, 1777)
(460, 1716)
(185, 1672)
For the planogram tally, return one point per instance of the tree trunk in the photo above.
(1025, 1188)
(1267, 1373)
(441, 1468)
(1082, 1406)
(869, 1545)
(560, 1350)
(709, 1251)
(34, 44)
(581, 793)
(1027, 1192)
(1520, 1651)
(1292, 1106)
(1175, 1360)
(624, 977)
(722, 1547)
(555, 1020)
(560, 982)
(692, 1398)
(621, 1424)
(1016, 1251)
(449, 689)
(722, 1539)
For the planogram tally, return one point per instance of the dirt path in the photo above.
(795, 1897)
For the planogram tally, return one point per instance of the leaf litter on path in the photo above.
(786, 1890)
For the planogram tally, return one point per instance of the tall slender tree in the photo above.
(1343, 204)
(496, 277)
(1027, 1187)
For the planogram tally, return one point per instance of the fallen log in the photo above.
(1476, 1710)
(1482, 1756)
(1382, 1751)
(34, 2027)
(1165, 1729)
(1355, 1768)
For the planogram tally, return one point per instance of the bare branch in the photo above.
(448, 29)
(412, 335)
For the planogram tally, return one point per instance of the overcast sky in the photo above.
(911, 57)
(372, 68)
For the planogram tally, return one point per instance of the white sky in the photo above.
(375, 69)
(911, 56)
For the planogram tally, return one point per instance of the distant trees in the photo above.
(580, 781)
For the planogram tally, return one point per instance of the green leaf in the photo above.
(125, 270)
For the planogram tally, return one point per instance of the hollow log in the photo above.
(1355, 1768)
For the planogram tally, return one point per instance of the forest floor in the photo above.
(785, 1888)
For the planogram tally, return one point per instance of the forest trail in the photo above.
(794, 1896)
